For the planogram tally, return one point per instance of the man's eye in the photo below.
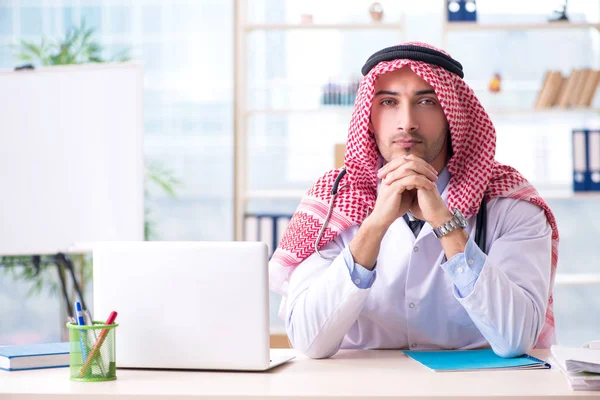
(427, 102)
(388, 102)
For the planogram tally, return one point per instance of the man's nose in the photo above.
(407, 121)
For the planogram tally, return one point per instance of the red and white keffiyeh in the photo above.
(472, 168)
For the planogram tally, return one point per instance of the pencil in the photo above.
(96, 349)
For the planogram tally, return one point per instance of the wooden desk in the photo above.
(349, 375)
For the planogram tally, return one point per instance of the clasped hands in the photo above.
(408, 184)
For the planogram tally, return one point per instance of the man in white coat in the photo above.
(422, 241)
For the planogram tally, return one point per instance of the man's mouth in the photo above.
(406, 143)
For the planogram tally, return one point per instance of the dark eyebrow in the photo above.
(417, 93)
(426, 91)
(388, 92)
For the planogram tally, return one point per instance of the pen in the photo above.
(96, 349)
(92, 332)
(80, 322)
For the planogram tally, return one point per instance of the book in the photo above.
(576, 359)
(566, 90)
(589, 90)
(34, 356)
(555, 83)
(539, 103)
(559, 83)
(578, 77)
(580, 366)
(473, 360)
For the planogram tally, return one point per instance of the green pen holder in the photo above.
(92, 352)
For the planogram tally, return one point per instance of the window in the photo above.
(188, 120)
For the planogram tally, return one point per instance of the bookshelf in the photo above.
(245, 113)
(313, 26)
(474, 26)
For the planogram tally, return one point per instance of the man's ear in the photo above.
(371, 125)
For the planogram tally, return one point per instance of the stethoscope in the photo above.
(480, 227)
(334, 192)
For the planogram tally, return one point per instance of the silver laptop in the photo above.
(188, 305)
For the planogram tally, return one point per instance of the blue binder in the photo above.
(469, 11)
(580, 160)
(455, 10)
(462, 10)
(593, 151)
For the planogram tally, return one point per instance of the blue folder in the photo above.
(580, 160)
(455, 10)
(470, 360)
(459, 10)
(592, 180)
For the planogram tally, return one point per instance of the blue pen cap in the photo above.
(79, 313)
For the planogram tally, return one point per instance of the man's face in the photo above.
(407, 118)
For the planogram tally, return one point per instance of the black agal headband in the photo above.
(417, 53)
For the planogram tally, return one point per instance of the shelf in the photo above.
(491, 111)
(280, 27)
(278, 330)
(289, 194)
(542, 111)
(559, 192)
(568, 194)
(279, 111)
(474, 26)
(576, 279)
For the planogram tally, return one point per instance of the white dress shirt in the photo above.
(415, 298)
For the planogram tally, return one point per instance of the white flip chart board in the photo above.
(71, 157)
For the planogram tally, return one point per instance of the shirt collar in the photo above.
(443, 179)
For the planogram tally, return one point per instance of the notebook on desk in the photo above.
(473, 360)
(34, 356)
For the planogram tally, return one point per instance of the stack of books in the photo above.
(574, 91)
(581, 366)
